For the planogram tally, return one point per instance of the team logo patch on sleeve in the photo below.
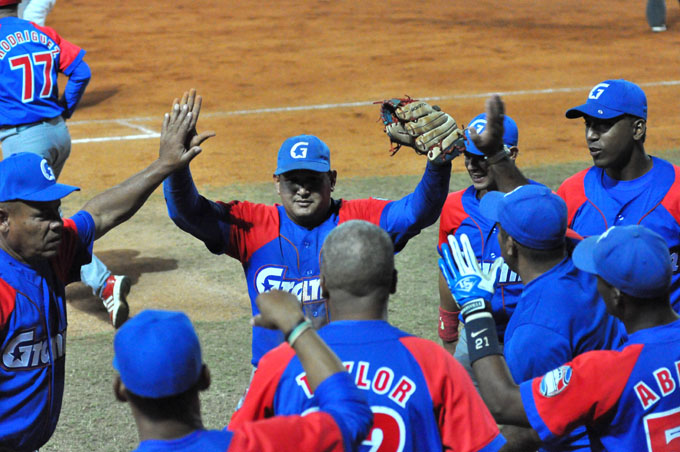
(555, 381)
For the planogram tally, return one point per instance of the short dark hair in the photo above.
(358, 257)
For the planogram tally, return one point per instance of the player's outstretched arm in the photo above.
(117, 204)
(506, 174)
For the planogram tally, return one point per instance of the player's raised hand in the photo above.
(193, 103)
(278, 310)
(469, 284)
(490, 141)
(177, 126)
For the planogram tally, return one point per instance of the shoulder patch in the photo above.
(555, 381)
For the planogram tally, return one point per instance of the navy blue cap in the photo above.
(633, 259)
(531, 214)
(28, 177)
(612, 98)
(303, 152)
(510, 132)
(157, 354)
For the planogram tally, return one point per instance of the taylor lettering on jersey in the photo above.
(382, 381)
(666, 384)
(273, 277)
(25, 351)
(19, 37)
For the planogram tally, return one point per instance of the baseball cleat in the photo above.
(116, 289)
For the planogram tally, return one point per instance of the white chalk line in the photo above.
(149, 134)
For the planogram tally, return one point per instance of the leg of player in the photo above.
(37, 10)
(112, 289)
(656, 15)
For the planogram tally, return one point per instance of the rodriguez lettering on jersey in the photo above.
(273, 278)
(25, 351)
(381, 382)
(19, 37)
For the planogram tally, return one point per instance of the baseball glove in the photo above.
(426, 129)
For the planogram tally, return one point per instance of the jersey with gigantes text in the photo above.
(461, 215)
(562, 311)
(597, 202)
(628, 399)
(31, 56)
(33, 337)
(422, 398)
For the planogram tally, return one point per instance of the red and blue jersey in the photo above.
(31, 56)
(596, 202)
(33, 337)
(421, 397)
(627, 399)
(343, 421)
(461, 215)
(277, 253)
(562, 311)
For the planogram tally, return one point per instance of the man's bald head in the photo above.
(358, 258)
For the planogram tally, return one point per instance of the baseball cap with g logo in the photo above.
(28, 177)
(303, 152)
(612, 98)
(510, 132)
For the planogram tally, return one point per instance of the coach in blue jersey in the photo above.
(627, 399)
(278, 246)
(32, 117)
(160, 374)
(422, 398)
(39, 254)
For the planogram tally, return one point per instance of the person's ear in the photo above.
(514, 151)
(393, 289)
(333, 176)
(204, 379)
(277, 183)
(119, 389)
(639, 128)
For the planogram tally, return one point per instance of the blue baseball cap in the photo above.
(303, 152)
(531, 214)
(28, 177)
(612, 98)
(157, 354)
(510, 132)
(633, 259)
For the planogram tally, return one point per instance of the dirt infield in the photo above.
(269, 71)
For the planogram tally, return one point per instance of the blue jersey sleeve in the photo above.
(338, 396)
(407, 216)
(193, 213)
(526, 360)
(79, 78)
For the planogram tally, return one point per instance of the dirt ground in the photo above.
(275, 69)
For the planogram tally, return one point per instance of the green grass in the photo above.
(91, 419)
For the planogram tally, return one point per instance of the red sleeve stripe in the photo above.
(8, 298)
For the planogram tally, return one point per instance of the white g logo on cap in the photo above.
(46, 170)
(597, 91)
(478, 125)
(299, 150)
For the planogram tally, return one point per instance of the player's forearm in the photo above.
(507, 175)
(429, 196)
(499, 391)
(317, 359)
(75, 87)
(117, 204)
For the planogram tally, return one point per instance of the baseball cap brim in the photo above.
(583, 255)
(490, 205)
(319, 167)
(470, 146)
(592, 109)
(51, 193)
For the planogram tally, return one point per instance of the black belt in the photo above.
(22, 127)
